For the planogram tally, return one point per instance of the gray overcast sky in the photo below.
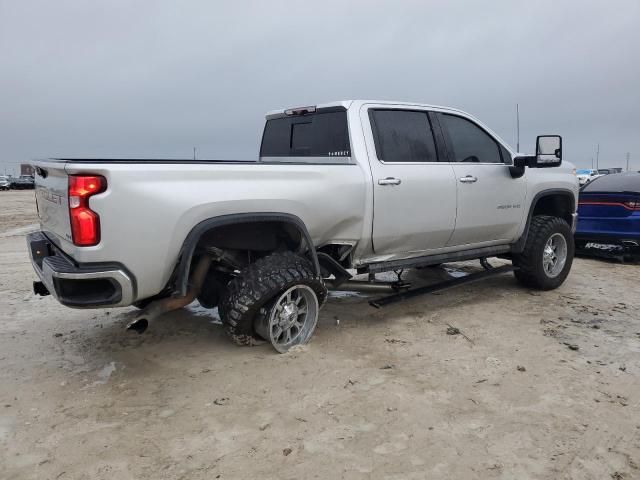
(155, 78)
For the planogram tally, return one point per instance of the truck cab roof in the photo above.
(346, 104)
(356, 104)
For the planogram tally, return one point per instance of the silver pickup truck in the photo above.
(353, 185)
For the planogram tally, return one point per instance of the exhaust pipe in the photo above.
(164, 305)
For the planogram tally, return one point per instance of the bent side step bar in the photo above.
(438, 287)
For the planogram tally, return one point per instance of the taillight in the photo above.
(85, 223)
(633, 205)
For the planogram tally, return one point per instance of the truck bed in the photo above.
(150, 205)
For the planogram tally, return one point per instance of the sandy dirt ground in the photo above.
(542, 385)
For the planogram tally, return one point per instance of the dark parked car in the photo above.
(609, 171)
(5, 182)
(609, 211)
(23, 182)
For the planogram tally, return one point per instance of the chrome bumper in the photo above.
(78, 286)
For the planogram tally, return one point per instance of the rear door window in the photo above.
(403, 136)
(320, 135)
(468, 142)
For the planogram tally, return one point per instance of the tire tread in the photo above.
(258, 283)
(527, 262)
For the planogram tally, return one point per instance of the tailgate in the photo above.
(52, 199)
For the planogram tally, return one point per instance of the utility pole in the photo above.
(598, 157)
(591, 163)
(517, 127)
(194, 153)
(628, 156)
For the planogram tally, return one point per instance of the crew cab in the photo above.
(357, 185)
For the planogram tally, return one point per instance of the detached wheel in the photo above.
(291, 320)
(278, 298)
(548, 254)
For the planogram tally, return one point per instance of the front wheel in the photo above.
(548, 254)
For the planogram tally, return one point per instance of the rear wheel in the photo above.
(280, 294)
(291, 319)
(546, 259)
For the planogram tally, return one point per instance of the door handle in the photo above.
(389, 181)
(469, 179)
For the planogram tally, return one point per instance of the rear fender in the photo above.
(181, 274)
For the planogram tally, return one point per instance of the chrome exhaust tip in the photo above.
(139, 325)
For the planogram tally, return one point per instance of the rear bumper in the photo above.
(623, 240)
(611, 229)
(76, 285)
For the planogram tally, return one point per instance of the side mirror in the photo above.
(519, 163)
(548, 151)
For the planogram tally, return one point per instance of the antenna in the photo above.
(517, 127)
(194, 153)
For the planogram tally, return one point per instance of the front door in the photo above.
(414, 194)
(490, 201)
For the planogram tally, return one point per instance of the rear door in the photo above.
(51, 185)
(490, 201)
(414, 194)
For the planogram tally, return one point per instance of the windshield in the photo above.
(583, 172)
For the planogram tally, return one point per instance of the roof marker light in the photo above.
(300, 110)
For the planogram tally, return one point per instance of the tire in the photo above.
(214, 284)
(259, 283)
(531, 270)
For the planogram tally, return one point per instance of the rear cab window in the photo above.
(321, 136)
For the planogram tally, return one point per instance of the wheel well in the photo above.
(258, 236)
(241, 239)
(556, 205)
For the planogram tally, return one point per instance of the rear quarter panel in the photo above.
(148, 209)
(602, 216)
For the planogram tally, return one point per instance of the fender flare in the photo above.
(518, 246)
(181, 273)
